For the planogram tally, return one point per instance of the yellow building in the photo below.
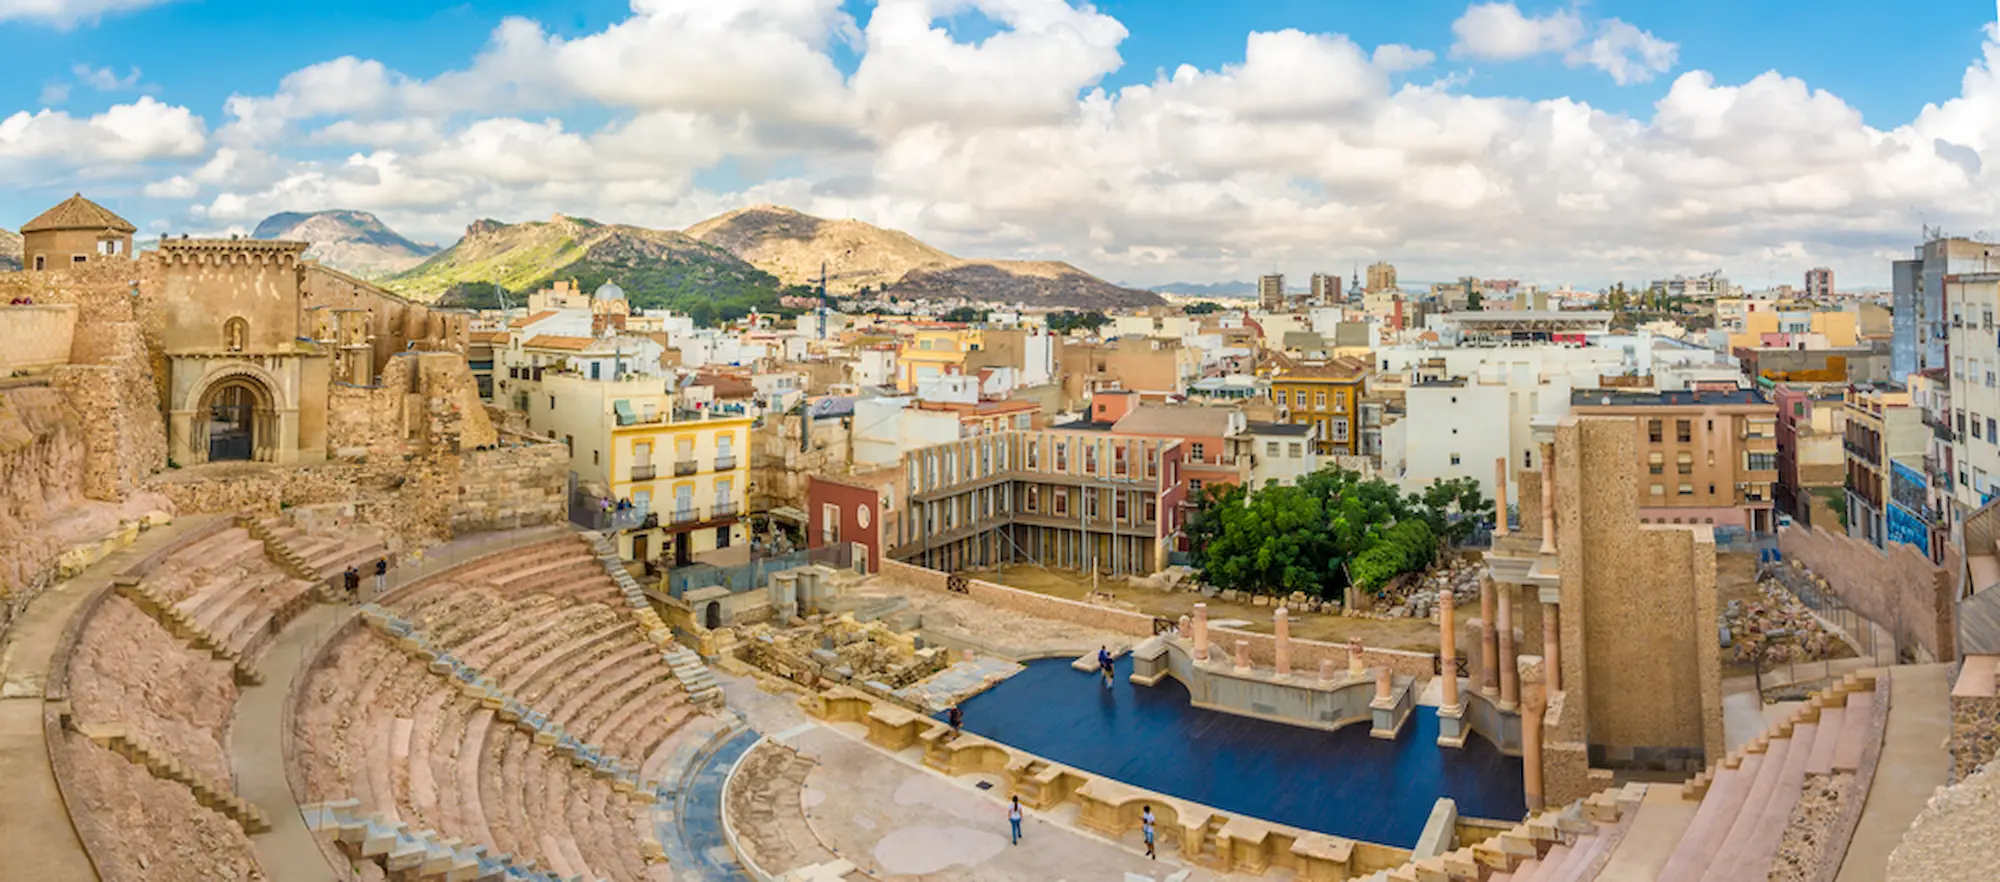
(1786, 328)
(682, 474)
(933, 351)
(1326, 396)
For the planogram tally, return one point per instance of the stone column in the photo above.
(1201, 632)
(1447, 647)
(1384, 681)
(1489, 647)
(1552, 663)
(1548, 497)
(1510, 668)
(1326, 670)
(1354, 666)
(1185, 627)
(1531, 752)
(1243, 655)
(1500, 496)
(1281, 625)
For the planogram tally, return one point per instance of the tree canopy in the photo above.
(1330, 530)
(1202, 307)
(1066, 321)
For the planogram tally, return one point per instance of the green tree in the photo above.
(704, 313)
(1475, 302)
(966, 315)
(1203, 307)
(1067, 321)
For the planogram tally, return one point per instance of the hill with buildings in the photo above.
(10, 250)
(656, 268)
(353, 242)
(792, 246)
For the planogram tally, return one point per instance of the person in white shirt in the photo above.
(1014, 819)
(1146, 824)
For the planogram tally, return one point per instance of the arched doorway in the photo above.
(712, 618)
(238, 420)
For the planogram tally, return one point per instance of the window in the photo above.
(1762, 462)
(1454, 459)
(1319, 400)
(77, 259)
(1299, 398)
(1195, 451)
(552, 402)
(1294, 450)
(1271, 449)
(1656, 464)
(41, 262)
(593, 457)
(1034, 454)
(1024, 421)
(1687, 490)
(1711, 489)
(1683, 431)
(1090, 504)
(1686, 464)
(1062, 501)
(1034, 498)
(1090, 459)
(1339, 401)
(829, 523)
(1798, 408)
(1653, 431)
(1062, 456)
(1339, 426)
(1990, 434)
(1659, 490)
(1528, 459)
(1118, 511)
(1118, 463)
(1194, 485)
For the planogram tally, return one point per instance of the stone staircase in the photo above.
(623, 775)
(279, 548)
(414, 855)
(1569, 844)
(165, 767)
(184, 627)
(702, 689)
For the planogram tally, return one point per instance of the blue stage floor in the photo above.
(1343, 783)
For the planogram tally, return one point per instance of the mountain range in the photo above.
(350, 241)
(738, 261)
(10, 250)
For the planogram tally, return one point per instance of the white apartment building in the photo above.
(1456, 427)
(1972, 301)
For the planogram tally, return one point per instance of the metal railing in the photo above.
(686, 516)
(725, 510)
(725, 463)
(645, 472)
(684, 468)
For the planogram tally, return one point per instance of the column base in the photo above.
(1509, 706)
(1452, 728)
(1385, 724)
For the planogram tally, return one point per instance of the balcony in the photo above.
(685, 516)
(725, 510)
(725, 463)
(645, 472)
(684, 468)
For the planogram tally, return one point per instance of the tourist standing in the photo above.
(1014, 819)
(353, 583)
(1146, 825)
(957, 717)
(381, 576)
(1104, 664)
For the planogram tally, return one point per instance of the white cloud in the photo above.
(1306, 153)
(1501, 32)
(68, 13)
(143, 130)
(104, 79)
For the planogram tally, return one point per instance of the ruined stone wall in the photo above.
(1975, 730)
(1897, 588)
(420, 403)
(1641, 662)
(394, 324)
(34, 338)
(781, 471)
(520, 485)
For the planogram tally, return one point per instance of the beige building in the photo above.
(1704, 457)
(1381, 276)
(75, 232)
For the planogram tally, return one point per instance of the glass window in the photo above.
(1294, 449)
(1196, 451)
(1683, 431)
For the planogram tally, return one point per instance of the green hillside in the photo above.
(656, 268)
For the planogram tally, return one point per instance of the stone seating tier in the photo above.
(1748, 799)
(419, 734)
(557, 566)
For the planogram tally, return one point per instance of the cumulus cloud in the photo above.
(68, 13)
(124, 134)
(1501, 32)
(1306, 152)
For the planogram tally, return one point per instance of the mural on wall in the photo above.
(1908, 487)
(1909, 502)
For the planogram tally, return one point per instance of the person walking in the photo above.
(1014, 819)
(381, 576)
(353, 583)
(1104, 664)
(1146, 825)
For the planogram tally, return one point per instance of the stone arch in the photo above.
(237, 415)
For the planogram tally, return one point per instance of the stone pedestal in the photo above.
(1451, 712)
(1281, 626)
(1385, 722)
(1326, 669)
(1354, 666)
(1243, 655)
(1452, 728)
(1201, 632)
(1500, 496)
(1185, 626)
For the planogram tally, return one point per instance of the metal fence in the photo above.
(1869, 639)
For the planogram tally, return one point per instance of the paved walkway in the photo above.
(257, 740)
(1913, 766)
(898, 820)
(35, 825)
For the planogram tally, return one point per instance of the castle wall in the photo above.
(34, 338)
(393, 322)
(207, 284)
(1897, 588)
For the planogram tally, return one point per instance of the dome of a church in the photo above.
(609, 291)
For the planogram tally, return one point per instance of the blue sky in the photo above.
(1884, 65)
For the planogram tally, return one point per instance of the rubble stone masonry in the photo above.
(1897, 588)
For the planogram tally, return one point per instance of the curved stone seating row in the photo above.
(224, 595)
(1751, 800)
(321, 560)
(1569, 844)
(413, 854)
(688, 667)
(563, 567)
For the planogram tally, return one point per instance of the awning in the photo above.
(788, 513)
(623, 408)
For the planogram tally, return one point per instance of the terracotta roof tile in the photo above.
(527, 320)
(78, 213)
(558, 341)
